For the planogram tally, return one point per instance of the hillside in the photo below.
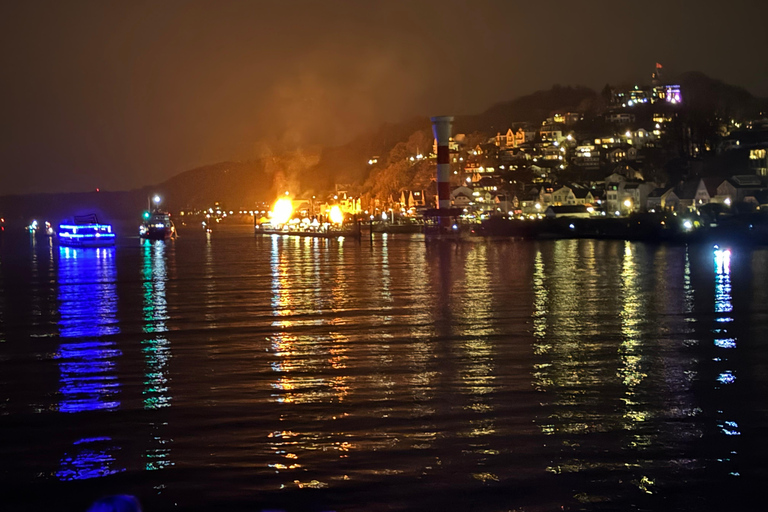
(533, 108)
(315, 171)
(348, 163)
(707, 95)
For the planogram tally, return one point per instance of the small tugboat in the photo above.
(86, 231)
(157, 224)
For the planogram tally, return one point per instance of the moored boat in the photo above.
(324, 230)
(86, 231)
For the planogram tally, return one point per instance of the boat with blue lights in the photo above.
(157, 225)
(86, 231)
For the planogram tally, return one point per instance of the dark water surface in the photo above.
(239, 373)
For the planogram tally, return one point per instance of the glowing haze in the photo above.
(119, 95)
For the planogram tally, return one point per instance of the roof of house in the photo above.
(687, 190)
(746, 180)
(712, 183)
(580, 193)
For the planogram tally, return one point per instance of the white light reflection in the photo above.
(725, 344)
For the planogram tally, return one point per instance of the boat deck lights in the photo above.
(98, 227)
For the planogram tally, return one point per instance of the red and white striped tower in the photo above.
(441, 127)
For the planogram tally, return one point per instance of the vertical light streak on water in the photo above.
(542, 369)
(209, 283)
(687, 287)
(311, 368)
(477, 373)
(725, 343)
(34, 275)
(477, 366)
(156, 349)
(631, 370)
(281, 293)
(572, 352)
(3, 307)
(673, 367)
(411, 334)
(540, 310)
(334, 362)
(386, 276)
(282, 344)
(88, 314)
(285, 444)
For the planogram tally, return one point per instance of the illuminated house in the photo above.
(505, 203)
(552, 133)
(524, 135)
(586, 157)
(583, 196)
(672, 94)
(483, 201)
(693, 194)
(737, 188)
(617, 155)
(461, 197)
(669, 201)
(758, 161)
(552, 153)
(453, 146)
(563, 196)
(566, 118)
(412, 199)
(620, 118)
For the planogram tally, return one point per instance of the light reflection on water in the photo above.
(588, 375)
(726, 344)
(88, 359)
(88, 317)
(156, 348)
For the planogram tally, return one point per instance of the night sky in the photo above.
(118, 95)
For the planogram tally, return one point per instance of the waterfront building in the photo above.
(563, 196)
(570, 211)
(737, 188)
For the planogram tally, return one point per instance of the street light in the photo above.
(156, 199)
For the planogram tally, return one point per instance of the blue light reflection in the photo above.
(88, 312)
(87, 361)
